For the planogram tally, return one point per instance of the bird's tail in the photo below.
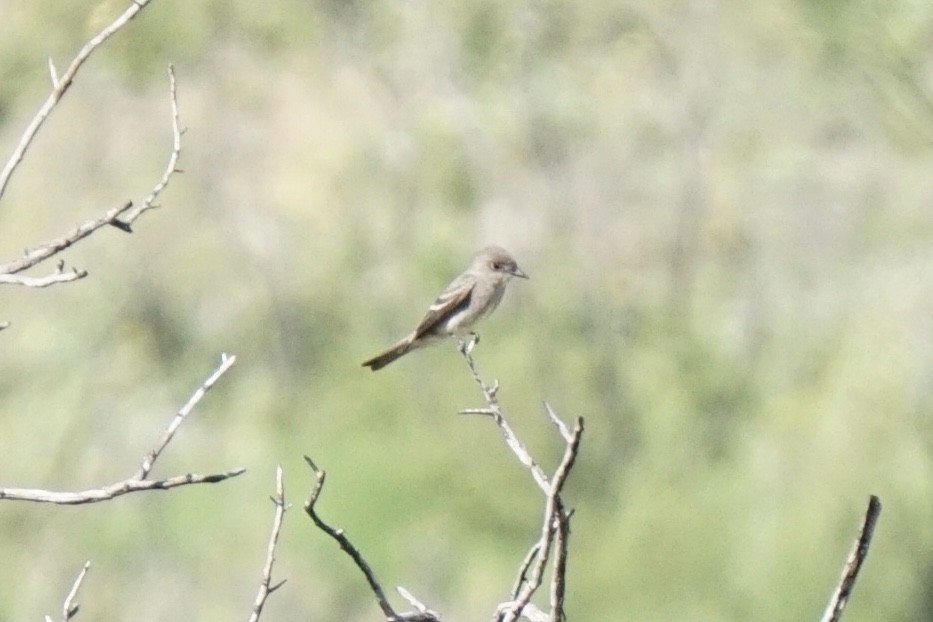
(381, 360)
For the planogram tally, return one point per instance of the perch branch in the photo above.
(854, 563)
(60, 85)
(265, 586)
(555, 530)
(138, 481)
(493, 410)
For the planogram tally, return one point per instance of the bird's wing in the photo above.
(454, 298)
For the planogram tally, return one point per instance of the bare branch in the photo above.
(853, 564)
(61, 84)
(121, 217)
(522, 577)
(555, 530)
(560, 425)
(423, 613)
(53, 247)
(118, 489)
(343, 541)
(69, 608)
(553, 515)
(340, 537)
(59, 276)
(265, 586)
(493, 410)
(172, 167)
(226, 362)
(138, 481)
(559, 571)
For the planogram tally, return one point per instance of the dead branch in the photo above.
(853, 564)
(60, 85)
(121, 217)
(555, 529)
(138, 481)
(69, 607)
(265, 585)
(422, 615)
(59, 276)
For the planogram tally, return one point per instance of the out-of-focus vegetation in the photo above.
(727, 214)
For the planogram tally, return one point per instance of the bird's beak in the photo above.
(518, 272)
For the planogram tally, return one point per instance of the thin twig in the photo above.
(853, 564)
(60, 276)
(493, 410)
(552, 514)
(69, 607)
(121, 217)
(52, 247)
(560, 425)
(172, 167)
(559, 571)
(226, 362)
(138, 481)
(344, 542)
(523, 570)
(60, 85)
(422, 611)
(422, 615)
(265, 586)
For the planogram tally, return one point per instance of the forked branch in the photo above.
(139, 481)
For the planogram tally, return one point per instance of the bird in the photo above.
(469, 297)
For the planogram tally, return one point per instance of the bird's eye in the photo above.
(496, 266)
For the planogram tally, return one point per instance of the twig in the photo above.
(226, 362)
(121, 217)
(559, 571)
(494, 411)
(340, 537)
(138, 481)
(60, 85)
(265, 586)
(52, 247)
(522, 577)
(553, 513)
(69, 609)
(560, 425)
(172, 167)
(555, 530)
(343, 541)
(423, 613)
(854, 563)
(112, 491)
(60, 276)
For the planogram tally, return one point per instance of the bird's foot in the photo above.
(466, 345)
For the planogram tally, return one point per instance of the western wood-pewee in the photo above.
(469, 297)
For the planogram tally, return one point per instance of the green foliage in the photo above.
(725, 215)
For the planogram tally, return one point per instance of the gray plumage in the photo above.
(469, 297)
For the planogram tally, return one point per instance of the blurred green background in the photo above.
(726, 210)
